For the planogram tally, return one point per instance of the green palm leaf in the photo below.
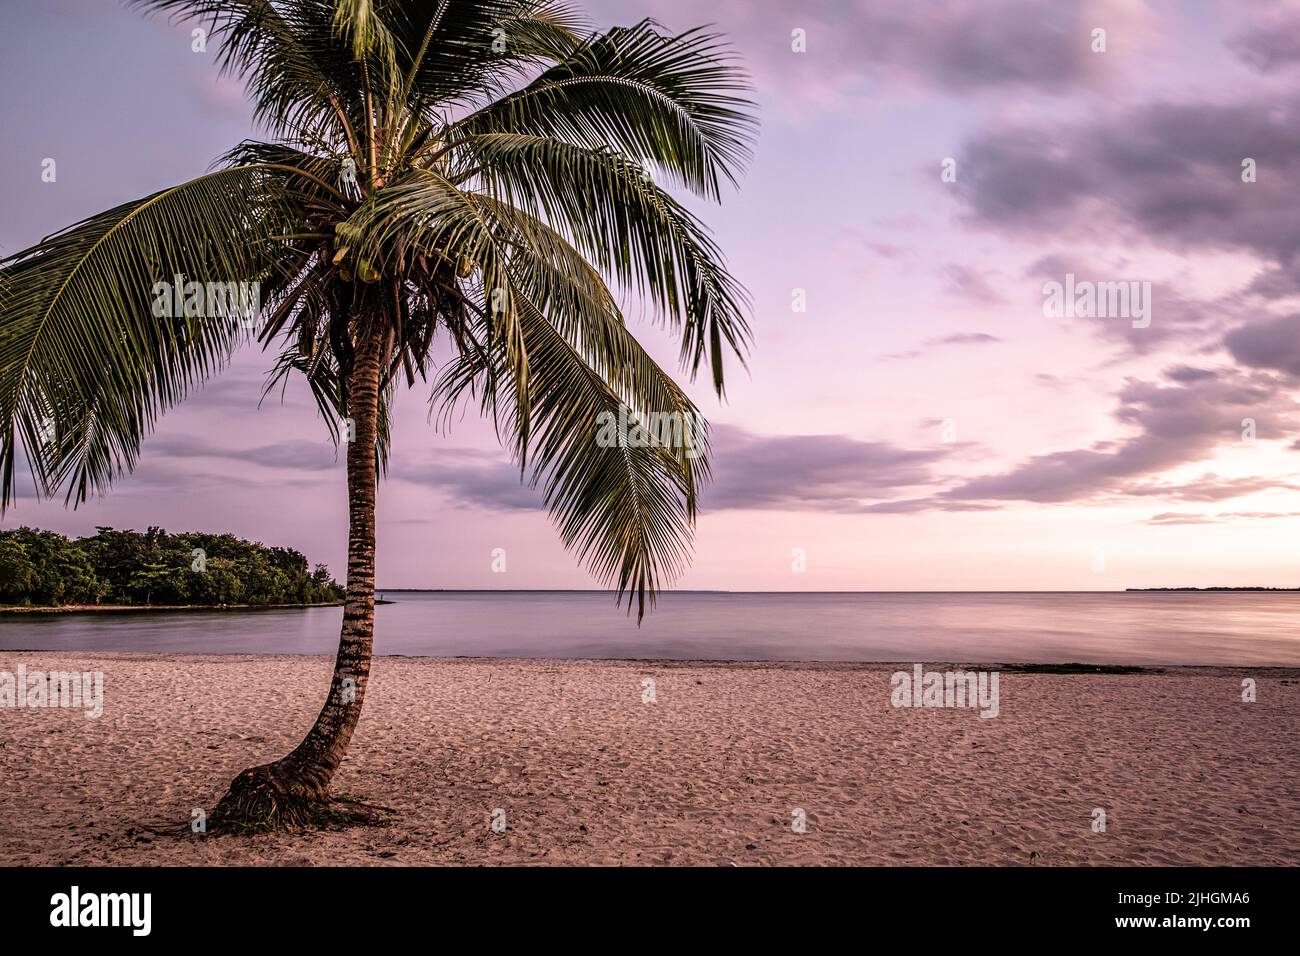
(676, 102)
(629, 227)
(85, 365)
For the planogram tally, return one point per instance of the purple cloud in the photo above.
(1176, 425)
(810, 472)
(472, 478)
(1209, 487)
(1170, 171)
(965, 338)
(1174, 316)
(1273, 43)
(293, 454)
(1176, 517)
(1273, 344)
(969, 284)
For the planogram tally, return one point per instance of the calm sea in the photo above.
(1004, 627)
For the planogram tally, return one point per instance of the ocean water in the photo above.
(966, 627)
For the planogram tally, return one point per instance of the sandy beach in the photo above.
(713, 771)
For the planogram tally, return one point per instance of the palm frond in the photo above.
(626, 505)
(677, 103)
(558, 282)
(85, 365)
(630, 228)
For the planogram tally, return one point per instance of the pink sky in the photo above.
(1076, 443)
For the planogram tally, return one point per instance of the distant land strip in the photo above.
(1212, 589)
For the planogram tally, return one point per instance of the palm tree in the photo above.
(467, 174)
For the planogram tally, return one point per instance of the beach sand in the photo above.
(711, 773)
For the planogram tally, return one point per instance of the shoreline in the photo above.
(18, 610)
(1067, 669)
(1007, 668)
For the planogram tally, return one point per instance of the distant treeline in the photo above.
(1212, 589)
(42, 568)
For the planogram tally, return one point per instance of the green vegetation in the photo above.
(43, 568)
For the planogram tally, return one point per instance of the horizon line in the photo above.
(1130, 590)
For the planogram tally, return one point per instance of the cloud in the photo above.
(980, 44)
(831, 473)
(472, 478)
(1271, 44)
(1274, 344)
(965, 338)
(242, 388)
(968, 284)
(1275, 283)
(1168, 171)
(1177, 517)
(886, 250)
(964, 46)
(1175, 425)
(898, 356)
(959, 338)
(810, 472)
(295, 454)
(1186, 374)
(954, 47)
(907, 506)
(1209, 487)
(1173, 316)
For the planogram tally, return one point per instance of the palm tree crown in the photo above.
(476, 172)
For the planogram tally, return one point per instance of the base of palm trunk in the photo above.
(275, 796)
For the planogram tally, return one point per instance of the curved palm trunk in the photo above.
(295, 789)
